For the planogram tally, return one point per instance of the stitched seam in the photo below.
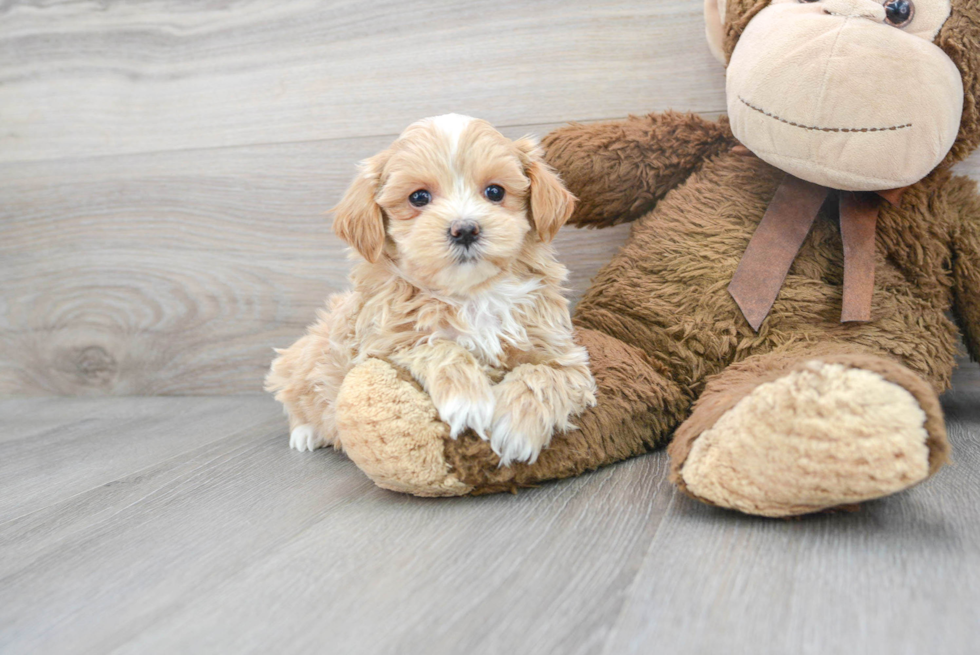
(811, 147)
(824, 129)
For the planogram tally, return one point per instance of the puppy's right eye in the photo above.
(420, 198)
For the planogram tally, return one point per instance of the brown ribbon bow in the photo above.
(780, 235)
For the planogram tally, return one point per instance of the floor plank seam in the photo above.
(324, 140)
(163, 491)
(257, 560)
(554, 512)
(180, 455)
(628, 592)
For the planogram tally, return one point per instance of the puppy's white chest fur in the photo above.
(489, 321)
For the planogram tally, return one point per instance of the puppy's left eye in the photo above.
(420, 198)
(494, 193)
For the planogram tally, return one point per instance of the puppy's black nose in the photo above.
(464, 233)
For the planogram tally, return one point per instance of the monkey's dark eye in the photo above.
(899, 12)
(494, 193)
(420, 198)
(806, 1)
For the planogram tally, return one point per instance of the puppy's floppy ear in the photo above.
(358, 219)
(551, 204)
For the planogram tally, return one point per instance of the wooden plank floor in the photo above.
(186, 525)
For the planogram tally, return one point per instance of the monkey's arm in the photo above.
(619, 170)
(966, 263)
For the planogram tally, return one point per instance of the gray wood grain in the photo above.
(39, 450)
(80, 79)
(239, 544)
(177, 273)
(164, 172)
(165, 167)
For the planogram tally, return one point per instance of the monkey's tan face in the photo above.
(843, 94)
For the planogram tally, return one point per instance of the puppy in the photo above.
(457, 283)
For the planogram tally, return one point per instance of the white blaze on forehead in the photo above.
(452, 125)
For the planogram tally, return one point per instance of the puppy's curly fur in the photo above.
(480, 322)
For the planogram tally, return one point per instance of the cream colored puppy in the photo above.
(458, 285)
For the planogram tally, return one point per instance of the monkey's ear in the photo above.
(551, 204)
(358, 219)
(714, 28)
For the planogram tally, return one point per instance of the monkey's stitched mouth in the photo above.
(816, 128)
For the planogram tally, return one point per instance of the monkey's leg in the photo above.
(391, 430)
(808, 428)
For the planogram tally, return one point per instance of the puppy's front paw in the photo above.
(517, 441)
(470, 407)
(522, 423)
(306, 437)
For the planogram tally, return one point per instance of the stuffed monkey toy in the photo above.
(787, 308)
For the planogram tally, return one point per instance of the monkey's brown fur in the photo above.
(670, 350)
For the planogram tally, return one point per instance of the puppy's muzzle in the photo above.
(464, 233)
